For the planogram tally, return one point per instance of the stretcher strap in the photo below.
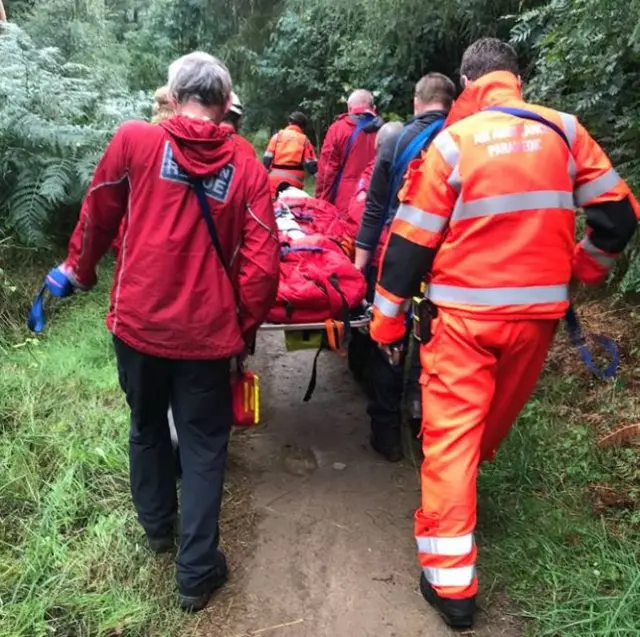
(336, 337)
(578, 340)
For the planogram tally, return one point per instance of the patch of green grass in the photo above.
(73, 561)
(575, 573)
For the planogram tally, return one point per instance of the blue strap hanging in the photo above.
(578, 340)
(574, 328)
(37, 319)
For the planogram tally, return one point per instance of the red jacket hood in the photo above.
(201, 148)
(500, 87)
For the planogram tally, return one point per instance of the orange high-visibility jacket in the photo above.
(489, 213)
(288, 155)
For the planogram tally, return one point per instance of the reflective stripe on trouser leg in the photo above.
(462, 545)
(450, 577)
(458, 384)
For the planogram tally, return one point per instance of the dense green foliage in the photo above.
(75, 68)
(70, 557)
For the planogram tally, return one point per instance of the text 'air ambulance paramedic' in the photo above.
(289, 153)
(178, 314)
(347, 150)
(489, 215)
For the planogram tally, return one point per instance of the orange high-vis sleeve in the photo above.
(596, 179)
(271, 147)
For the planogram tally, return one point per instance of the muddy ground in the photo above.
(327, 548)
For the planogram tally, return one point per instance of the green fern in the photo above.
(28, 210)
(55, 119)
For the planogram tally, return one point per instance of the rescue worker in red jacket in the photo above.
(178, 314)
(489, 216)
(348, 148)
(231, 123)
(289, 154)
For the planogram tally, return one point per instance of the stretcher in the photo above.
(310, 335)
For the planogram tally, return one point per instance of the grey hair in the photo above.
(201, 77)
(388, 130)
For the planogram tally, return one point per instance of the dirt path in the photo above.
(334, 554)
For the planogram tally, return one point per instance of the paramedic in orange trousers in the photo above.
(180, 310)
(347, 150)
(433, 96)
(289, 154)
(488, 214)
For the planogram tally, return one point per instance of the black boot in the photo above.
(162, 543)
(457, 613)
(387, 441)
(195, 601)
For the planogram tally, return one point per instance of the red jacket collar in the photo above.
(295, 128)
(500, 87)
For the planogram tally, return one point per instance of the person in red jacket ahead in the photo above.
(177, 316)
(348, 148)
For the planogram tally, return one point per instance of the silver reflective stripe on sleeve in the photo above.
(386, 307)
(455, 181)
(572, 168)
(604, 259)
(420, 218)
(570, 125)
(599, 186)
(502, 204)
(532, 295)
(462, 576)
(462, 545)
(448, 148)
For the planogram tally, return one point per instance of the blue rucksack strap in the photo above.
(401, 164)
(534, 117)
(410, 152)
(365, 120)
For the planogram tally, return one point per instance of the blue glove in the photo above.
(58, 285)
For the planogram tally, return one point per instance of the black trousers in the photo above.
(389, 385)
(200, 396)
(386, 383)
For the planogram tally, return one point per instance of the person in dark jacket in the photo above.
(180, 310)
(434, 95)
